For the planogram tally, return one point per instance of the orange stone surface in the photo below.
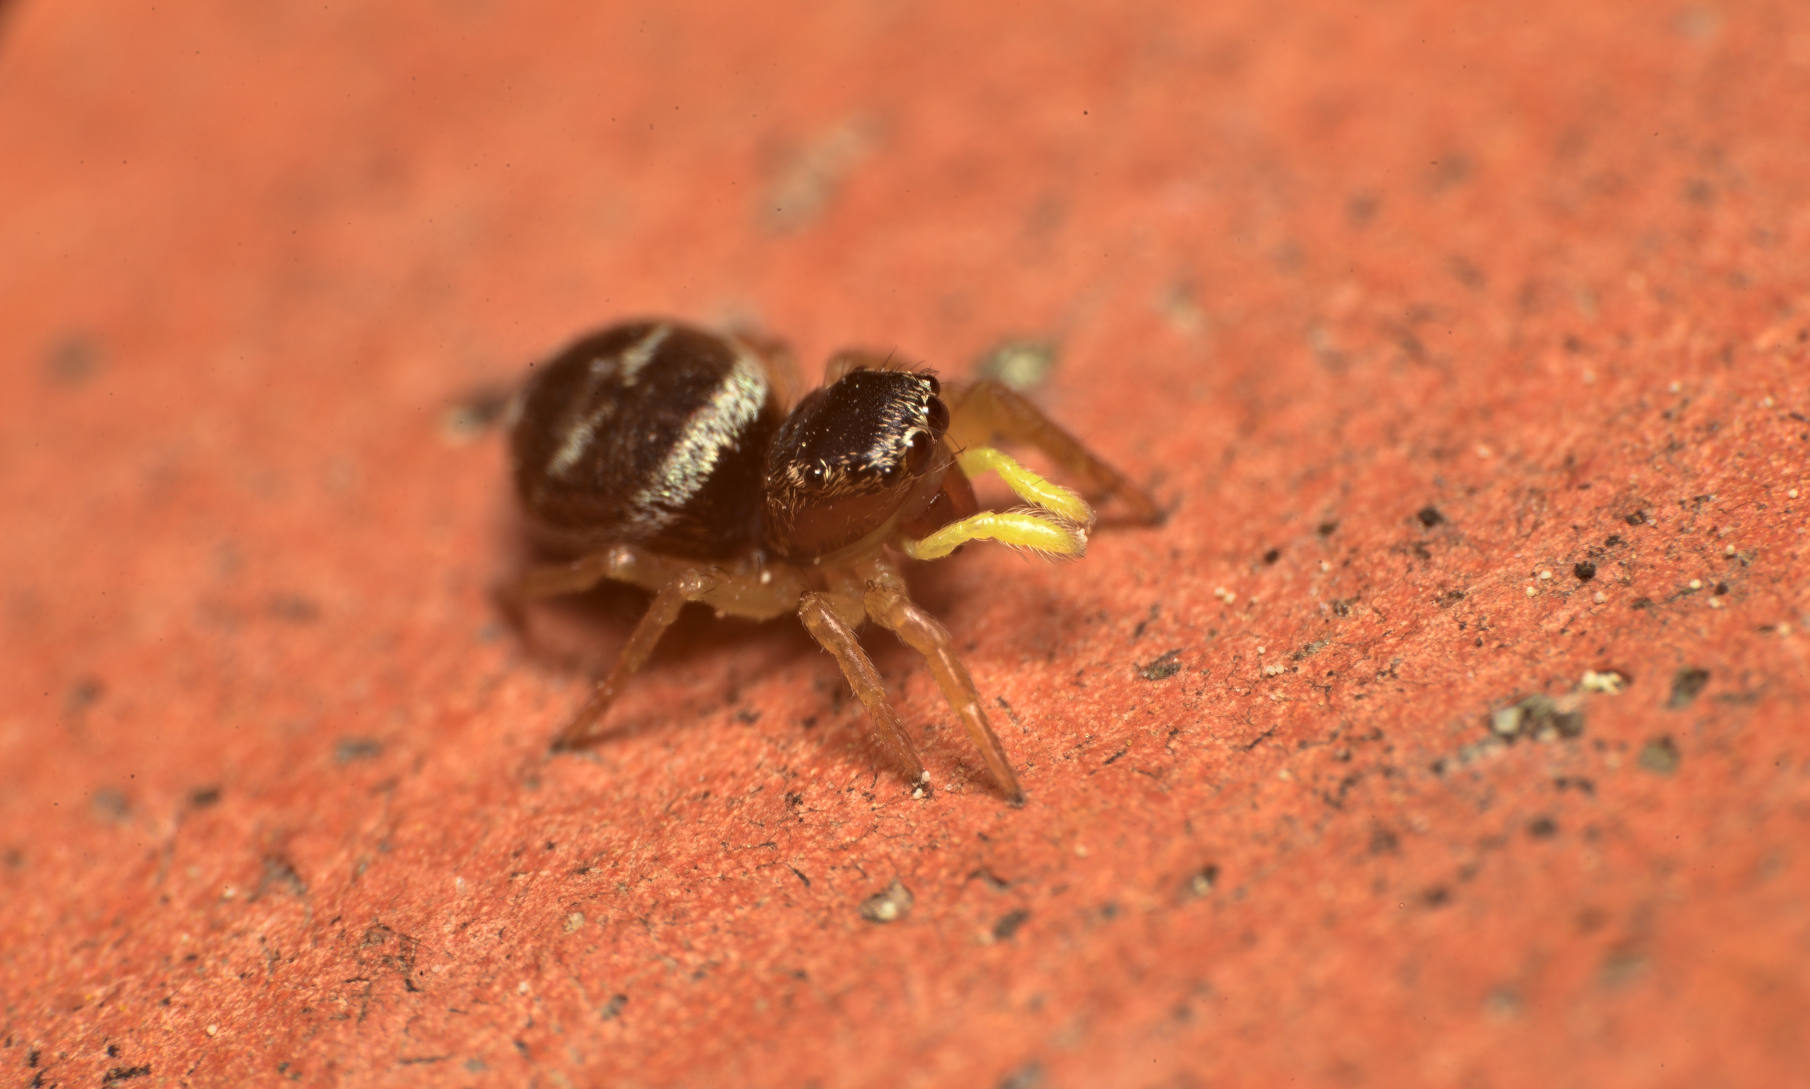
(1451, 732)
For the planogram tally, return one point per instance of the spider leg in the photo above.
(1027, 485)
(1032, 530)
(754, 594)
(660, 614)
(888, 603)
(983, 410)
(545, 580)
(838, 637)
(557, 579)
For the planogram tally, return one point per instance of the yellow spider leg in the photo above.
(1030, 487)
(1018, 528)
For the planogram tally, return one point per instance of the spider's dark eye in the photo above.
(938, 413)
(918, 450)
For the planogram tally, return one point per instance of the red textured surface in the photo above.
(273, 793)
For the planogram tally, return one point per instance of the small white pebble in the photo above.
(1260, 651)
(1608, 682)
(522, 987)
(1715, 603)
(213, 1030)
(1729, 551)
(1325, 567)
(1696, 584)
(1675, 386)
(1274, 670)
(1545, 576)
(1531, 591)
(1080, 850)
(1792, 494)
(1767, 401)
(1599, 597)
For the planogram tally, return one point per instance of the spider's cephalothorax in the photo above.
(854, 459)
(657, 454)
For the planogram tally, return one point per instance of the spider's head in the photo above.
(855, 458)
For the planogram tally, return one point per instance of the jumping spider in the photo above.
(661, 455)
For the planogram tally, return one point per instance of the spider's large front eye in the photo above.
(919, 449)
(853, 458)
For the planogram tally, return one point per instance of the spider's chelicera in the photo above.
(659, 454)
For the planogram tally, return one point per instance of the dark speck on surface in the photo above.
(1660, 756)
(1028, 1076)
(350, 750)
(1686, 684)
(1009, 924)
(84, 692)
(1162, 668)
(111, 804)
(73, 360)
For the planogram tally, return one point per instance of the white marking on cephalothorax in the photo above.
(636, 355)
(733, 406)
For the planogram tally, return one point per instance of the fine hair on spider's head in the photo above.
(855, 457)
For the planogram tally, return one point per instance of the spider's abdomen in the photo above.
(649, 433)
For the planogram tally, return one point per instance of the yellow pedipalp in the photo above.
(1030, 487)
(1019, 529)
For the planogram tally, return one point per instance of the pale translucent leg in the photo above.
(752, 594)
(755, 595)
(888, 604)
(582, 729)
(836, 636)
